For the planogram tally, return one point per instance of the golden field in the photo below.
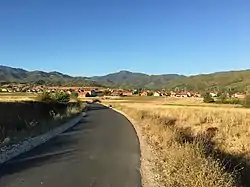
(195, 144)
(10, 97)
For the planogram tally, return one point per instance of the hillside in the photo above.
(137, 80)
(235, 80)
(238, 80)
(17, 75)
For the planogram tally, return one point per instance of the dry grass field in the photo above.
(196, 144)
(10, 97)
(171, 101)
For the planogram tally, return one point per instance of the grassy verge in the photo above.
(19, 120)
(196, 146)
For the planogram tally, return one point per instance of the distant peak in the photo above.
(124, 71)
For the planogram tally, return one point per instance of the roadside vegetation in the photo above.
(225, 99)
(19, 120)
(196, 146)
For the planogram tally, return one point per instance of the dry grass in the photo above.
(10, 97)
(21, 120)
(196, 146)
(169, 101)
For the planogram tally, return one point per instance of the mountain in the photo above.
(10, 75)
(219, 81)
(129, 79)
(234, 80)
(237, 80)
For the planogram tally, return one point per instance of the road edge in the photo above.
(146, 154)
(31, 143)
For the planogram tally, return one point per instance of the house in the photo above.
(197, 95)
(84, 94)
(213, 94)
(238, 95)
(93, 93)
(127, 93)
(99, 93)
(183, 94)
(144, 93)
(116, 93)
(157, 94)
(4, 90)
(172, 94)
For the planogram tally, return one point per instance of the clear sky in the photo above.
(95, 37)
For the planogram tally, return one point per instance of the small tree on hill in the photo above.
(207, 98)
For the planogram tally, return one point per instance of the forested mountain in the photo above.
(136, 80)
(10, 75)
(234, 80)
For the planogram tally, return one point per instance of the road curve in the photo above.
(102, 151)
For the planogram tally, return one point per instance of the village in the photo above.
(100, 92)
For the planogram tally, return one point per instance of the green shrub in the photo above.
(44, 97)
(246, 102)
(74, 95)
(224, 99)
(61, 97)
(150, 94)
(207, 98)
(229, 101)
(235, 101)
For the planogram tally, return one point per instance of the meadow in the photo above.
(12, 97)
(196, 144)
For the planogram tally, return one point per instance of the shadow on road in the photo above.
(58, 149)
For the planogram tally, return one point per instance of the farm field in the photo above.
(215, 134)
(9, 97)
(168, 101)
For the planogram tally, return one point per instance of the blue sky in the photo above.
(95, 37)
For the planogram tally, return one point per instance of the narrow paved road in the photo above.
(103, 151)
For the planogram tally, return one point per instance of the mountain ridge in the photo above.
(236, 79)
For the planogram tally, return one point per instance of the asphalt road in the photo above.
(102, 151)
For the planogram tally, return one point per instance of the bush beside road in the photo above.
(19, 120)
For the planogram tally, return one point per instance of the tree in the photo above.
(74, 95)
(136, 92)
(107, 92)
(45, 97)
(40, 82)
(61, 97)
(207, 98)
(223, 98)
(246, 102)
(150, 93)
